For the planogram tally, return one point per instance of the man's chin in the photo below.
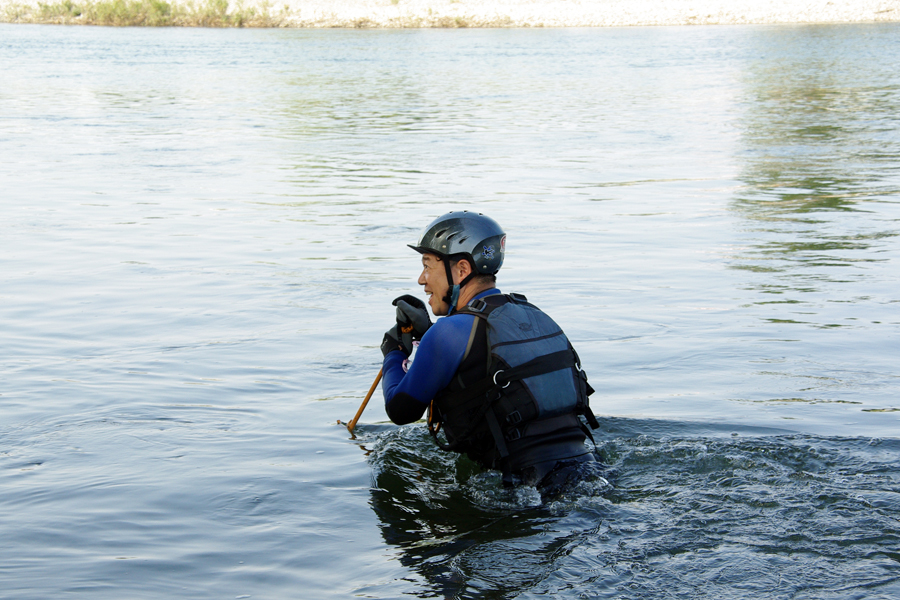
(438, 308)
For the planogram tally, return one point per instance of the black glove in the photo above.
(394, 340)
(412, 323)
(412, 316)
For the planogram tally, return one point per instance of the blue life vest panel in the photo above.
(517, 333)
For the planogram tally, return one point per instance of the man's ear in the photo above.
(463, 269)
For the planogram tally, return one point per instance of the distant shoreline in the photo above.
(445, 13)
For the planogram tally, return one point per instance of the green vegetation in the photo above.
(215, 13)
(146, 13)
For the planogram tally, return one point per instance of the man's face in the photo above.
(434, 278)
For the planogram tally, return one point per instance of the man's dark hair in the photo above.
(480, 278)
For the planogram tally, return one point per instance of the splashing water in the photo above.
(723, 516)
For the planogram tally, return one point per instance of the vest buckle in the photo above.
(478, 306)
(514, 417)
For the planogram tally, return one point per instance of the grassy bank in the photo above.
(145, 13)
(444, 13)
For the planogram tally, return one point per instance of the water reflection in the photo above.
(817, 133)
(820, 154)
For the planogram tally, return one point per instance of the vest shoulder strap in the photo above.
(482, 307)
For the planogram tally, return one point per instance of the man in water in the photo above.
(496, 373)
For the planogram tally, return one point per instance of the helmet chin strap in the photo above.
(452, 297)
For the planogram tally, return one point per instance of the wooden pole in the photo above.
(362, 407)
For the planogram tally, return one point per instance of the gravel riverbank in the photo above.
(453, 13)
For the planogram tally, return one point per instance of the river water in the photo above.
(201, 232)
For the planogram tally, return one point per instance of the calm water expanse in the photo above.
(201, 232)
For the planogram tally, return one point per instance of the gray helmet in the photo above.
(465, 234)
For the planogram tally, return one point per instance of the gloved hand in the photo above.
(412, 316)
(412, 323)
(394, 340)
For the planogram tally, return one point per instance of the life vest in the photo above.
(517, 394)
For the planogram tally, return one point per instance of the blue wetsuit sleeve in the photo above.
(441, 351)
